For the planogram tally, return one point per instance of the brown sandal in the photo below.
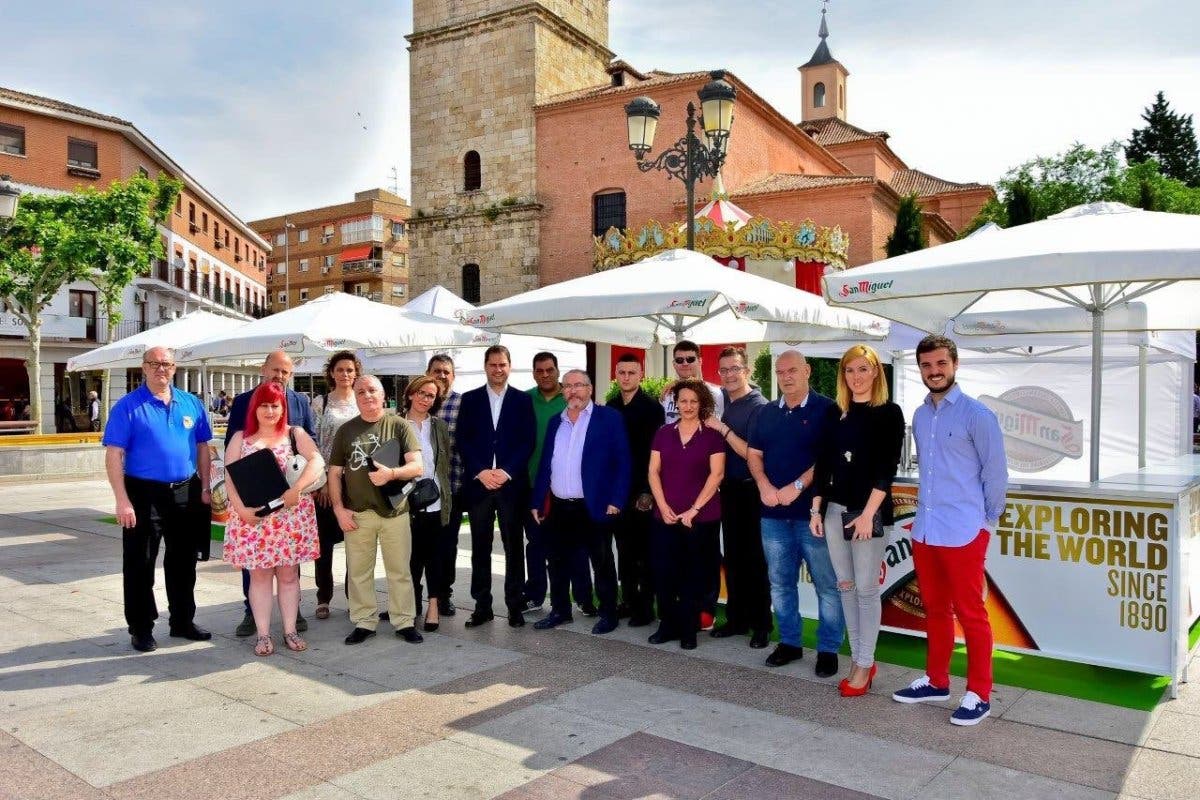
(295, 643)
(264, 646)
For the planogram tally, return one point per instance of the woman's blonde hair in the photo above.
(879, 389)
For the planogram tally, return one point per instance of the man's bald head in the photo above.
(278, 367)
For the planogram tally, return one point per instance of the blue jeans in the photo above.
(785, 543)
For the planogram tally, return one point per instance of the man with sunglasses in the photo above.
(157, 461)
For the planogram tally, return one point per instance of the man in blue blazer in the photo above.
(584, 474)
(495, 438)
(278, 367)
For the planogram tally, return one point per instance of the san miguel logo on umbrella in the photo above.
(1039, 429)
(690, 303)
(466, 318)
(284, 344)
(744, 307)
(864, 287)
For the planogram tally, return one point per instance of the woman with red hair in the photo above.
(271, 547)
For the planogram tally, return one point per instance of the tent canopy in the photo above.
(127, 353)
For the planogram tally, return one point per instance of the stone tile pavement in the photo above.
(491, 712)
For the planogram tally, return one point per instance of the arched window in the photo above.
(608, 211)
(472, 172)
(819, 95)
(470, 283)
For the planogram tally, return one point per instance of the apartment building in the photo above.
(360, 248)
(213, 259)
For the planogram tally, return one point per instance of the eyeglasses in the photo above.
(686, 359)
(159, 364)
(426, 396)
(729, 370)
(573, 386)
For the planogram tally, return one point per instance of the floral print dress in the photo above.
(284, 538)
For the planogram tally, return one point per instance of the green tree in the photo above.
(1168, 138)
(762, 376)
(105, 237)
(1020, 205)
(908, 235)
(1143, 185)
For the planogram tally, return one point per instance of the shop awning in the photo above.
(356, 253)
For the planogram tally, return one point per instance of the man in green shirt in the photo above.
(548, 402)
(367, 518)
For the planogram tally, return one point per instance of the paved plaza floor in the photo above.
(490, 712)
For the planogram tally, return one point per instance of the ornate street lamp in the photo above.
(9, 196)
(689, 159)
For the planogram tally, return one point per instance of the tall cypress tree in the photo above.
(1169, 139)
(908, 235)
(1021, 206)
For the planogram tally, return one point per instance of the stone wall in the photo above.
(506, 250)
(79, 460)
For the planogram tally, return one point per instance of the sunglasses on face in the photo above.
(685, 359)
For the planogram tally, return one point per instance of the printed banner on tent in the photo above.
(1080, 578)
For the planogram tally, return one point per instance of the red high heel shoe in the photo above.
(850, 691)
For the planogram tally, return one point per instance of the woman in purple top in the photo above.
(687, 463)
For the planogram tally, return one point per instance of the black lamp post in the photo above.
(9, 196)
(689, 159)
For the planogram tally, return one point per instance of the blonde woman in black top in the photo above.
(854, 474)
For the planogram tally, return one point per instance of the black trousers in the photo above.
(537, 566)
(680, 555)
(173, 514)
(749, 588)
(428, 552)
(329, 533)
(569, 530)
(633, 561)
(507, 504)
(450, 547)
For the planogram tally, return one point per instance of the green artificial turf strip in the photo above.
(1194, 636)
(109, 520)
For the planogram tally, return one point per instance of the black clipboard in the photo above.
(388, 455)
(259, 481)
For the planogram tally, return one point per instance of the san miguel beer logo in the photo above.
(744, 307)
(1039, 429)
(864, 287)
(690, 303)
(901, 593)
(467, 318)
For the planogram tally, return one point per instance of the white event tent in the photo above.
(179, 333)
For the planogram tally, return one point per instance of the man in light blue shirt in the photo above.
(964, 477)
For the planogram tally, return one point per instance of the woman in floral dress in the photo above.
(270, 547)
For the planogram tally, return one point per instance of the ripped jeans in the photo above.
(856, 565)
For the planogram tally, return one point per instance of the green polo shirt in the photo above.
(544, 410)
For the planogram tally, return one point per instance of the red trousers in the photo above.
(952, 585)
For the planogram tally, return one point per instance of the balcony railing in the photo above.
(366, 266)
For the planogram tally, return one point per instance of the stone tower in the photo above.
(823, 82)
(477, 69)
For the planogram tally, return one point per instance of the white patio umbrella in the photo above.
(675, 295)
(1092, 262)
(127, 353)
(468, 361)
(330, 323)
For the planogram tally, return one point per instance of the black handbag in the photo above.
(421, 493)
(849, 517)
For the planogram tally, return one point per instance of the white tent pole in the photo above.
(1097, 374)
(1141, 406)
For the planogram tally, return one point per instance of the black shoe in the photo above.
(604, 625)
(410, 635)
(359, 635)
(687, 642)
(587, 609)
(661, 636)
(386, 616)
(827, 664)
(640, 620)
(725, 631)
(478, 618)
(191, 631)
(552, 620)
(143, 642)
(516, 619)
(430, 627)
(760, 639)
(624, 611)
(446, 607)
(785, 654)
(301, 623)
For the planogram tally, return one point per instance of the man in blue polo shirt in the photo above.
(278, 367)
(783, 450)
(157, 461)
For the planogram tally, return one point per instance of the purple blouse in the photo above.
(684, 469)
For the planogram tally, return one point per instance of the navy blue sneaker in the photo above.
(971, 710)
(551, 620)
(921, 691)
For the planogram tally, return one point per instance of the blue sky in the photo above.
(260, 100)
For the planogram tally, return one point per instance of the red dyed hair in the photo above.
(268, 392)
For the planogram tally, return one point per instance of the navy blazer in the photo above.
(479, 442)
(299, 413)
(606, 463)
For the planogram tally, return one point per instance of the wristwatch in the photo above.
(799, 484)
